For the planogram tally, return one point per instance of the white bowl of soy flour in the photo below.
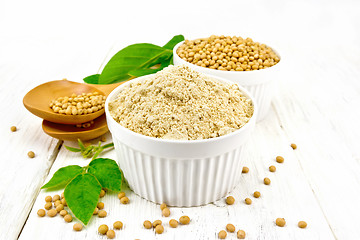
(178, 135)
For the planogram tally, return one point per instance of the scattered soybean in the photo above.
(41, 212)
(63, 202)
(48, 205)
(103, 229)
(147, 224)
(230, 228)
(280, 222)
(267, 181)
(159, 229)
(110, 234)
(257, 194)
(96, 211)
(124, 200)
(67, 218)
(173, 223)
(48, 199)
(230, 200)
(57, 203)
(121, 195)
(302, 224)
(63, 213)
(162, 206)
(102, 213)
(241, 234)
(100, 205)
(77, 227)
(279, 159)
(156, 222)
(166, 212)
(272, 168)
(102, 193)
(222, 234)
(184, 220)
(59, 208)
(31, 154)
(118, 225)
(56, 197)
(52, 213)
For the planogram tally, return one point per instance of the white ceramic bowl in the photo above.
(179, 172)
(260, 83)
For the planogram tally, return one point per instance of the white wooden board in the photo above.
(317, 106)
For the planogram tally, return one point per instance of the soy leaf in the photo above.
(107, 172)
(82, 195)
(132, 57)
(175, 40)
(62, 176)
(83, 184)
(93, 79)
(134, 61)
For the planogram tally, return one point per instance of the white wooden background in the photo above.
(317, 106)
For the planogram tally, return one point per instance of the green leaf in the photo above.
(82, 195)
(129, 58)
(72, 149)
(93, 79)
(134, 61)
(62, 176)
(107, 172)
(175, 40)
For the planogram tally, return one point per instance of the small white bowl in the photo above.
(260, 83)
(179, 172)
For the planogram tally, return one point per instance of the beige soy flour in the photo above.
(180, 103)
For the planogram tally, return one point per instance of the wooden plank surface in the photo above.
(22, 177)
(316, 106)
(288, 196)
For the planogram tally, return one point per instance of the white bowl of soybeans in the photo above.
(250, 64)
(177, 172)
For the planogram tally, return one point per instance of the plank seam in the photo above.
(52, 159)
(302, 169)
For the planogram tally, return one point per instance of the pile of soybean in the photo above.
(228, 53)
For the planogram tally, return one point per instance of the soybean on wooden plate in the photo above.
(64, 126)
(38, 99)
